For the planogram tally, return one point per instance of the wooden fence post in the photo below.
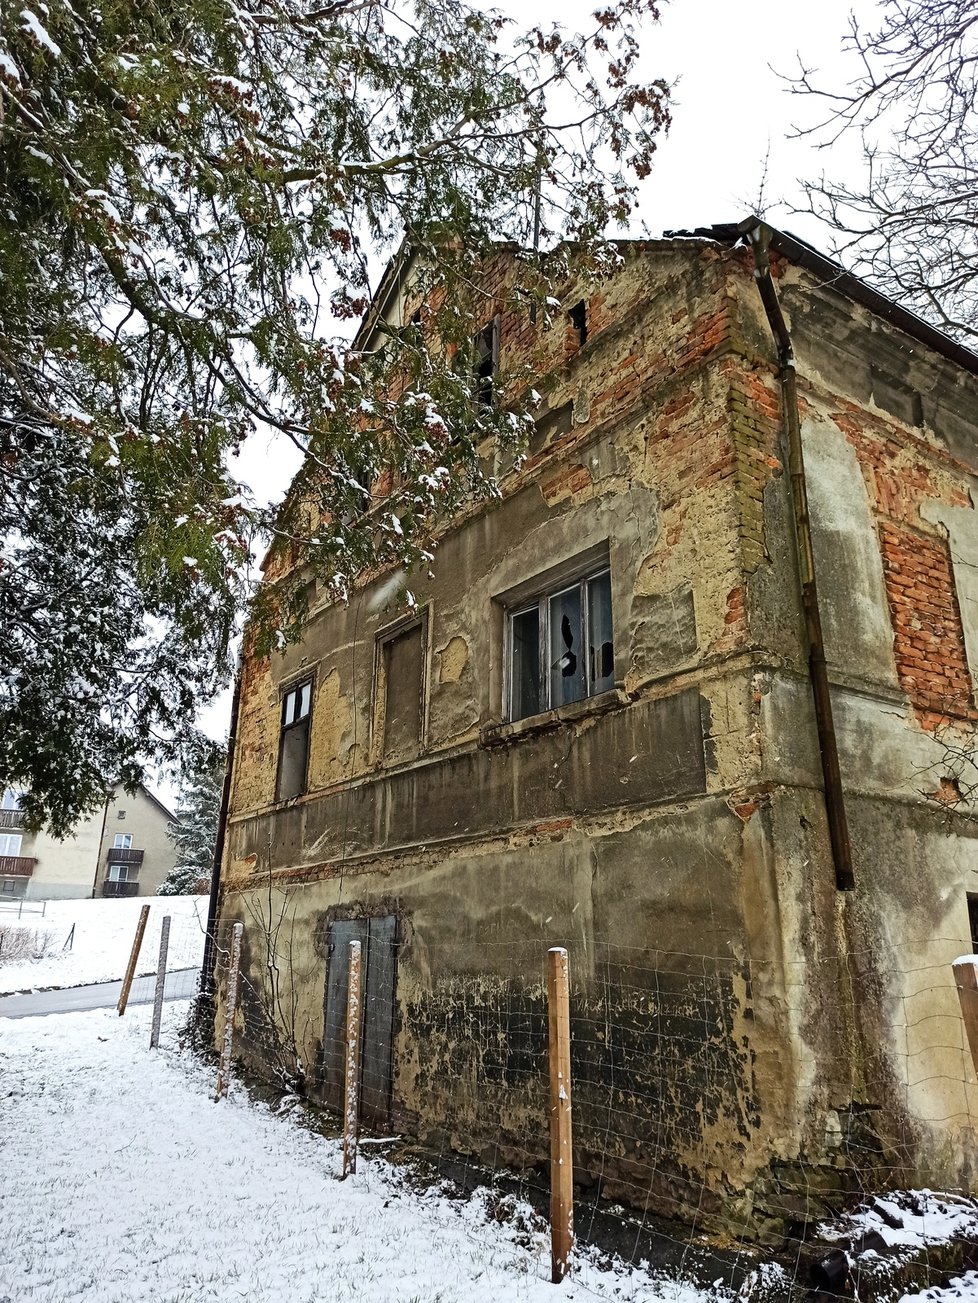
(351, 1096)
(154, 1036)
(231, 1003)
(966, 980)
(133, 957)
(561, 1151)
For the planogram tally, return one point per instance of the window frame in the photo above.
(286, 690)
(539, 598)
(7, 839)
(416, 618)
(122, 871)
(122, 841)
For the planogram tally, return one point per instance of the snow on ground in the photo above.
(911, 1219)
(123, 1181)
(104, 931)
(960, 1287)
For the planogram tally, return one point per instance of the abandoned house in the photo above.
(608, 724)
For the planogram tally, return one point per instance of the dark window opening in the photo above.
(578, 320)
(293, 751)
(485, 363)
(973, 922)
(561, 646)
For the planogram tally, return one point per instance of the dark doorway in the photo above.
(378, 939)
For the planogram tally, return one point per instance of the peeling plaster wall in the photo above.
(680, 819)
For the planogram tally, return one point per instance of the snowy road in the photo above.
(180, 985)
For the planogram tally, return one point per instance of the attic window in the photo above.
(577, 317)
(561, 646)
(485, 363)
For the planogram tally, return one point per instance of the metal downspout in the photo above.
(835, 807)
(207, 984)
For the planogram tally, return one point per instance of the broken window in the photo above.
(293, 750)
(561, 646)
(577, 318)
(485, 363)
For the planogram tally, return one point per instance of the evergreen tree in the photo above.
(198, 814)
(193, 194)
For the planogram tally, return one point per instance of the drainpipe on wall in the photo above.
(101, 841)
(207, 984)
(759, 235)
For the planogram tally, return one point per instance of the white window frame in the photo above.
(122, 841)
(123, 872)
(11, 843)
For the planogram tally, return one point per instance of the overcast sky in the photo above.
(731, 112)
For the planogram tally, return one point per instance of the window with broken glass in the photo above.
(293, 751)
(561, 646)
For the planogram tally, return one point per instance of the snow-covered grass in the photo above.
(104, 931)
(123, 1181)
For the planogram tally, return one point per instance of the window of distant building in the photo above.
(122, 841)
(10, 843)
(293, 749)
(561, 644)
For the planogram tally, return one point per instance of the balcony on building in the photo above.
(116, 855)
(11, 818)
(17, 866)
(120, 888)
(122, 871)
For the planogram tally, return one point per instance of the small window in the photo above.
(121, 814)
(485, 363)
(577, 319)
(293, 751)
(9, 800)
(10, 843)
(9, 886)
(122, 841)
(561, 646)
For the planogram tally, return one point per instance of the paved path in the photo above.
(180, 985)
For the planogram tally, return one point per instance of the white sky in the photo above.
(731, 112)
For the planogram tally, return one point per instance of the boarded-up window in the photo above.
(402, 686)
(378, 939)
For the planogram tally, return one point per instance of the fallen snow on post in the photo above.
(104, 931)
(123, 1182)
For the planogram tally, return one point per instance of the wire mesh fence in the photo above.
(720, 1103)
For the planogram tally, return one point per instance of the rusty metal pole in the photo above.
(231, 1004)
(133, 957)
(354, 1023)
(561, 1149)
(154, 1036)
